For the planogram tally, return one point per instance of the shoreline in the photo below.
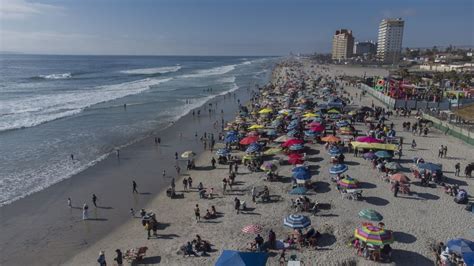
(46, 207)
(426, 216)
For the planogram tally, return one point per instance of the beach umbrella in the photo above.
(252, 149)
(283, 138)
(308, 115)
(222, 152)
(285, 111)
(295, 161)
(345, 131)
(460, 246)
(291, 127)
(299, 191)
(292, 133)
(311, 134)
(400, 178)
(248, 140)
(252, 229)
(319, 128)
(271, 132)
(302, 175)
(255, 127)
(231, 139)
(297, 221)
(268, 166)
(253, 133)
(296, 147)
(272, 151)
(432, 167)
(331, 138)
(338, 169)
(348, 182)
(295, 155)
(265, 111)
(334, 151)
(374, 235)
(369, 155)
(239, 258)
(291, 142)
(333, 111)
(368, 140)
(342, 123)
(393, 166)
(300, 169)
(371, 215)
(188, 154)
(383, 154)
(468, 258)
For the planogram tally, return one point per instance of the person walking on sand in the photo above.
(185, 184)
(445, 151)
(176, 155)
(254, 193)
(457, 168)
(69, 204)
(213, 163)
(72, 157)
(85, 212)
(164, 173)
(237, 205)
(132, 212)
(197, 213)
(178, 169)
(119, 259)
(101, 259)
(190, 182)
(224, 185)
(134, 186)
(94, 200)
(173, 185)
(413, 144)
(118, 153)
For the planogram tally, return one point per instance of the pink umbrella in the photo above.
(317, 128)
(368, 140)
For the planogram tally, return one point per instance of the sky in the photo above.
(221, 27)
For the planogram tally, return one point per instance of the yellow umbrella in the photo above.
(265, 111)
(272, 151)
(333, 111)
(256, 127)
(188, 154)
(307, 115)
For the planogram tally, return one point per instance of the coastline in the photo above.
(410, 217)
(41, 223)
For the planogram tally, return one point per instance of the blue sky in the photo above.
(221, 27)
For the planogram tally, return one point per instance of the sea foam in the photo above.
(151, 71)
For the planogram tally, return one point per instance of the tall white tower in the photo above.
(390, 39)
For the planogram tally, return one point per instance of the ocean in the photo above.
(54, 106)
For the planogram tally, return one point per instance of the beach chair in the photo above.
(135, 254)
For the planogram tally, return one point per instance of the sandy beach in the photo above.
(418, 220)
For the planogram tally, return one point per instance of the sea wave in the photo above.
(210, 72)
(152, 71)
(56, 76)
(24, 113)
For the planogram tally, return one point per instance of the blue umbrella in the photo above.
(291, 133)
(338, 169)
(334, 151)
(296, 147)
(231, 139)
(460, 246)
(302, 175)
(297, 221)
(291, 127)
(342, 123)
(238, 258)
(298, 191)
(383, 154)
(300, 169)
(222, 152)
(369, 155)
(271, 133)
(432, 167)
(253, 148)
(468, 258)
(310, 133)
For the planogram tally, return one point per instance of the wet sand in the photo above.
(41, 230)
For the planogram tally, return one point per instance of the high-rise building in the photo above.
(390, 38)
(363, 48)
(342, 44)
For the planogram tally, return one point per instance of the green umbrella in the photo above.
(371, 215)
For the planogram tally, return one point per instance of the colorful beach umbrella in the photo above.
(252, 229)
(368, 139)
(294, 161)
(338, 169)
(292, 133)
(383, 154)
(371, 215)
(272, 151)
(302, 175)
(334, 151)
(373, 235)
(283, 138)
(317, 128)
(400, 178)
(231, 139)
(348, 182)
(460, 246)
(298, 191)
(369, 155)
(248, 140)
(432, 167)
(265, 111)
(297, 221)
(331, 138)
(256, 127)
(268, 166)
(300, 169)
(291, 142)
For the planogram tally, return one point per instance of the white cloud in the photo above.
(20, 9)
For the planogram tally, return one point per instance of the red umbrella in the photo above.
(295, 156)
(290, 142)
(248, 140)
(315, 124)
(252, 229)
(317, 128)
(295, 161)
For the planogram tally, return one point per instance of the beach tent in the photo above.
(237, 258)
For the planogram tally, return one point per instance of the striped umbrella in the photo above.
(371, 215)
(374, 235)
(348, 182)
(338, 169)
(297, 221)
(252, 229)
